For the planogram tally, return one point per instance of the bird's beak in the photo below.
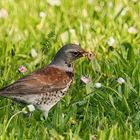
(88, 55)
(84, 54)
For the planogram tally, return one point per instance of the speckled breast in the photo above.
(52, 98)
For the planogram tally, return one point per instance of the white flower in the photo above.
(42, 14)
(120, 80)
(98, 85)
(85, 79)
(33, 53)
(132, 30)
(31, 108)
(3, 13)
(40, 25)
(54, 2)
(111, 41)
(28, 108)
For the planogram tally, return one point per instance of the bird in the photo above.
(46, 86)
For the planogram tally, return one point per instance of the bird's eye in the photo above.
(75, 53)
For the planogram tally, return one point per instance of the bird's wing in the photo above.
(44, 80)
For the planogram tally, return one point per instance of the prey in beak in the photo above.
(88, 55)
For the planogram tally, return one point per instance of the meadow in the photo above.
(108, 107)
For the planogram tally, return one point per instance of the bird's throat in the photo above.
(63, 65)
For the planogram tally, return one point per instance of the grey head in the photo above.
(67, 55)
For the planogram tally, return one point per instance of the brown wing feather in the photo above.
(44, 80)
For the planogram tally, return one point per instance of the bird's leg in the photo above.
(45, 108)
(46, 114)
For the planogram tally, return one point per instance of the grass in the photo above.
(110, 112)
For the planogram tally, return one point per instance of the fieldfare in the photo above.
(46, 86)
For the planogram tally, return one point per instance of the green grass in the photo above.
(111, 112)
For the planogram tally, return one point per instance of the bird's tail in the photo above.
(6, 94)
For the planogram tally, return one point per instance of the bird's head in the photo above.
(68, 54)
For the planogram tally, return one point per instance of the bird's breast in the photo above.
(51, 98)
